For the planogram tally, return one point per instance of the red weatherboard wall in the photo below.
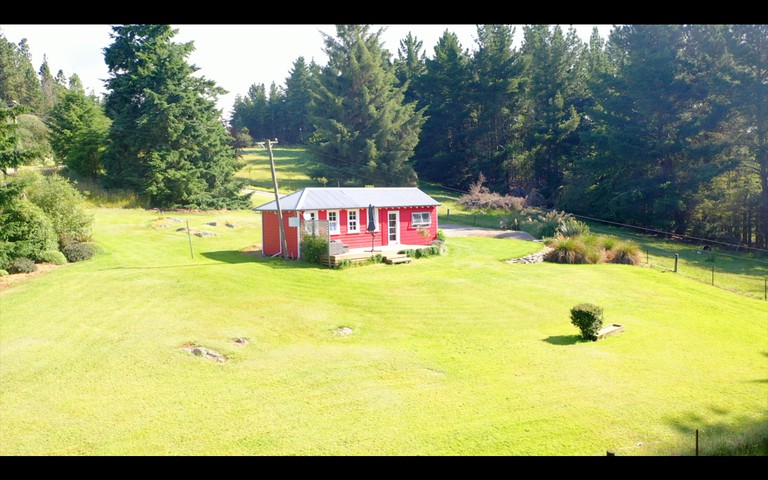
(271, 234)
(408, 235)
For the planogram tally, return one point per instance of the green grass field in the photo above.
(460, 354)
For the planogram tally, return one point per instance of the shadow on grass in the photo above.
(236, 256)
(564, 340)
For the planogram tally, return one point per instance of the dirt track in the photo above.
(453, 230)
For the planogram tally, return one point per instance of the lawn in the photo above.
(460, 354)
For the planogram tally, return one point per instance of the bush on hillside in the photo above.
(22, 265)
(588, 318)
(77, 252)
(3, 272)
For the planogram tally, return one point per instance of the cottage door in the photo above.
(393, 223)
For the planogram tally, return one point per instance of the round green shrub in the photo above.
(588, 318)
(3, 273)
(77, 252)
(53, 256)
(22, 265)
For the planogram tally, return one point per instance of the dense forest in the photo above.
(659, 126)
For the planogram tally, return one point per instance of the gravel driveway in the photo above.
(453, 230)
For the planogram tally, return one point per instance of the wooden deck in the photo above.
(391, 255)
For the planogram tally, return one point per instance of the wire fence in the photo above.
(731, 268)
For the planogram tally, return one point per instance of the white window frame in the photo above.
(417, 219)
(351, 221)
(333, 225)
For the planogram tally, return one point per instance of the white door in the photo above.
(393, 225)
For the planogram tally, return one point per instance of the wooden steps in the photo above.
(396, 259)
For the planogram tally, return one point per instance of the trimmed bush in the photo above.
(53, 256)
(588, 318)
(3, 273)
(77, 252)
(22, 265)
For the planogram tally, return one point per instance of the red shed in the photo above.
(402, 215)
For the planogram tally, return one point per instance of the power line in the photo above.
(703, 240)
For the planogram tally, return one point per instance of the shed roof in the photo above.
(351, 197)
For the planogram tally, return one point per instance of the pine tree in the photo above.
(652, 143)
(441, 152)
(297, 97)
(410, 65)
(365, 132)
(748, 75)
(495, 94)
(53, 87)
(276, 112)
(166, 141)
(555, 91)
(12, 153)
(252, 112)
(78, 132)
(19, 84)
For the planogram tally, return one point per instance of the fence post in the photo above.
(697, 442)
(677, 257)
(713, 275)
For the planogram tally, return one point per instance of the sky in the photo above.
(234, 56)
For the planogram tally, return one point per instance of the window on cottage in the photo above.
(421, 219)
(352, 224)
(333, 222)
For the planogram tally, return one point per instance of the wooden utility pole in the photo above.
(283, 238)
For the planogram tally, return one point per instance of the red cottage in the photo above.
(401, 216)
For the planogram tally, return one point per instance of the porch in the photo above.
(391, 254)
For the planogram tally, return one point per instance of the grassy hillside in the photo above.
(461, 354)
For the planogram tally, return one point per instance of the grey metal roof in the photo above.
(351, 197)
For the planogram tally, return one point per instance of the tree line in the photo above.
(660, 126)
